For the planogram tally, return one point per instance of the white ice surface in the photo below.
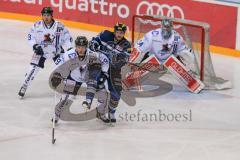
(25, 128)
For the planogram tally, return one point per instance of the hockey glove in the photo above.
(56, 79)
(38, 49)
(120, 60)
(102, 78)
(94, 45)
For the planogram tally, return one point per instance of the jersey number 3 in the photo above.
(29, 37)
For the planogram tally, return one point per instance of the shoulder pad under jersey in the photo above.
(59, 24)
(106, 36)
(156, 32)
(92, 53)
(38, 24)
(71, 54)
(92, 56)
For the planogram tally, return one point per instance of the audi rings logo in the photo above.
(159, 9)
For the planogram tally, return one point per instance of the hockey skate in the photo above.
(102, 117)
(22, 91)
(112, 117)
(86, 105)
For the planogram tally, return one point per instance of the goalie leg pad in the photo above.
(147, 65)
(136, 56)
(183, 74)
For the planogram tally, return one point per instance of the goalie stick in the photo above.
(151, 64)
(182, 73)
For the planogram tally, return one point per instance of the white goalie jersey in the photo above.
(154, 43)
(165, 52)
(52, 38)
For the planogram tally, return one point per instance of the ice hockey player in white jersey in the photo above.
(162, 42)
(165, 47)
(78, 76)
(48, 38)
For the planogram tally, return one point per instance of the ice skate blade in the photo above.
(20, 97)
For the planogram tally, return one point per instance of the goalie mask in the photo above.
(167, 27)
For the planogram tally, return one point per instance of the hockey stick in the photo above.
(53, 121)
(137, 65)
(145, 68)
(108, 101)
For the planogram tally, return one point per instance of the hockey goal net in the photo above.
(195, 35)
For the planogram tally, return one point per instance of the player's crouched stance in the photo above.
(165, 47)
(47, 38)
(73, 70)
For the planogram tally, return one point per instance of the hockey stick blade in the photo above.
(53, 137)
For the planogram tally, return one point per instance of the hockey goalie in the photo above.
(164, 47)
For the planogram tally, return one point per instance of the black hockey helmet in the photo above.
(81, 41)
(120, 27)
(47, 10)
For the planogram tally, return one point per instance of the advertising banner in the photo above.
(222, 19)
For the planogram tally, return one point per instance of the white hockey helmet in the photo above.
(167, 27)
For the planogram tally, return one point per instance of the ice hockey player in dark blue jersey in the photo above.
(115, 46)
